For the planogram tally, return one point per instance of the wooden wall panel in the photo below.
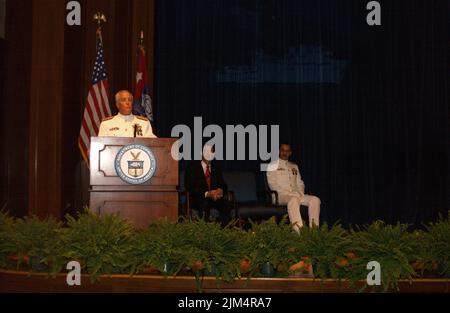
(3, 118)
(74, 97)
(14, 107)
(46, 108)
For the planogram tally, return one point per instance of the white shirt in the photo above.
(285, 178)
(123, 126)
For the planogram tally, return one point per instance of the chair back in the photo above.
(243, 185)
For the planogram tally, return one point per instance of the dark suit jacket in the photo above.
(195, 180)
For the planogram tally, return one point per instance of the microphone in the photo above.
(135, 126)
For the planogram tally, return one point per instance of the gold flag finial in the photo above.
(142, 38)
(99, 17)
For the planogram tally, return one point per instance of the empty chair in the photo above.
(248, 202)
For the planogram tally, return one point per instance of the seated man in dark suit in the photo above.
(206, 187)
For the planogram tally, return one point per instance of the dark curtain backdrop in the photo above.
(365, 108)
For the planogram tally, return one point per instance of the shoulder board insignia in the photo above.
(107, 118)
(142, 118)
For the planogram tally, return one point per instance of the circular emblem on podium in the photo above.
(135, 164)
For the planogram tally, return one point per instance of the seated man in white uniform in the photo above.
(125, 124)
(284, 178)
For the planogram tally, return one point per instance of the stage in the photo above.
(24, 282)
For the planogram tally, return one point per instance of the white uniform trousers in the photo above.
(293, 201)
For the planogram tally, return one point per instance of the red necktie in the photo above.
(208, 176)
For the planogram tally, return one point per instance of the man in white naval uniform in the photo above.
(284, 178)
(125, 124)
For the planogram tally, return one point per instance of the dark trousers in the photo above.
(204, 206)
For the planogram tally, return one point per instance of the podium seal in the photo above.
(135, 164)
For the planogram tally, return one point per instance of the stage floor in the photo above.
(15, 281)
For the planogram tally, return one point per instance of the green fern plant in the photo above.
(328, 248)
(390, 245)
(217, 251)
(164, 244)
(436, 256)
(103, 244)
(6, 238)
(273, 243)
(34, 242)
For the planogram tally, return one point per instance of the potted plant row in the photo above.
(106, 245)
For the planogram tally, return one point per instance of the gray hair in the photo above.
(120, 92)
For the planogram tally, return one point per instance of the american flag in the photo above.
(97, 106)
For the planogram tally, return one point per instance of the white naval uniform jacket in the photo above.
(123, 126)
(284, 177)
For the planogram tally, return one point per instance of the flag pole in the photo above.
(142, 101)
(141, 42)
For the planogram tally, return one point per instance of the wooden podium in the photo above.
(140, 204)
